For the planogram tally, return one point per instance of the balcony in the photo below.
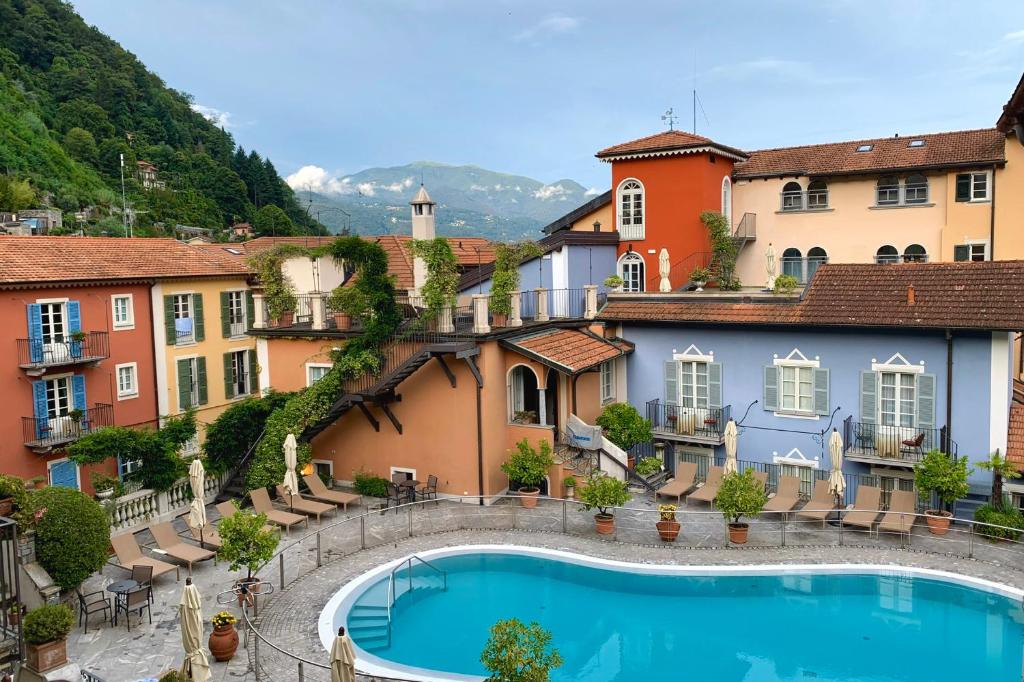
(43, 434)
(35, 356)
(891, 445)
(690, 424)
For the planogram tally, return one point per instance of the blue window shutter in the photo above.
(64, 474)
(821, 388)
(926, 405)
(39, 407)
(35, 332)
(671, 383)
(74, 316)
(868, 397)
(771, 388)
(714, 385)
(78, 392)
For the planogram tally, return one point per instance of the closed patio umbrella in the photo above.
(190, 616)
(343, 659)
(197, 510)
(771, 264)
(664, 269)
(836, 480)
(730, 448)
(291, 481)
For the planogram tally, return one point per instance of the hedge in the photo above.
(72, 534)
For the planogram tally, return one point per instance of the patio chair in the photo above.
(300, 504)
(900, 517)
(319, 491)
(88, 604)
(261, 503)
(395, 495)
(786, 497)
(686, 473)
(129, 555)
(821, 504)
(143, 575)
(170, 544)
(428, 491)
(914, 444)
(136, 600)
(709, 491)
(866, 508)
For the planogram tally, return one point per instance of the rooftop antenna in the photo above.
(669, 118)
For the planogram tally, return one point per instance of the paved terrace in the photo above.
(348, 547)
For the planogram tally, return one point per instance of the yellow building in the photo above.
(1008, 231)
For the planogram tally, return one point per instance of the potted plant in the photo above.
(104, 485)
(75, 347)
(604, 493)
(648, 466)
(614, 282)
(45, 631)
(739, 495)
(12, 491)
(76, 415)
(347, 303)
(785, 284)
(700, 276)
(945, 476)
(14, 614)
(519, 653)
(528, 467)
(223, 640)
(245, 543)
(570, 487)
(668, 527)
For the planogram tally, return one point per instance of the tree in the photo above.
(245, 543)
(81, 145)
(1001, 468)
(15, 194)
(624, 426)
(519, 653)
(271, 221)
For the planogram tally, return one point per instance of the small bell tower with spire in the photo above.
(422, 228)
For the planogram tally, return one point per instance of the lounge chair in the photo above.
(866, 508)
(129, 555)
(261, 503)
(207, 537)
(821, 504)
(683, 483)
(786, 497)
(298, 503)
(226, 509)
(709, 491)
(900, 517)
(319, 491)
(170, 544)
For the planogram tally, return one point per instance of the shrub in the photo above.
(1008, 516)
(48, 623)
(624, 426)
(72, 534)
(237, 429)
(1001, 469)
(370, 485)
(173, 676)
(613, 281)
(700, 274)
(724, 249)
(740, 494)
(12, 486)
(519, 653)
(943, 475)
(786, 284)
(244, 542)
(527, 466)
(604, 492)
(648, 466)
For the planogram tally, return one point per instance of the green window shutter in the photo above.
(254, 373)
(169, 320)
(821, 387)
(229, 379)
(926, 405)
(961, 252)
(714, 385)
(963, 187)
(671, 383)
(225, 317)
(771, 388)
(197, 311)
(250, 310)
(184, 385)
(868, 397)
(201, 377)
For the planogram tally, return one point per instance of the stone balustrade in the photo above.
(131, 511)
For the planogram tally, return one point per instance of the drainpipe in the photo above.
(949, 392)
(992, 219)
(574, 378)
(480, 443)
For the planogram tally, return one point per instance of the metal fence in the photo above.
(12, 647)
(88, 347)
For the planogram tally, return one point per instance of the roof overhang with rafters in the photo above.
(569, 351)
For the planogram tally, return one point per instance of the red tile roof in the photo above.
(53, 260)
(572, 350)
(1013, 110)
(941, 150)
(986, 295)
(1015, 435)
(664, 142)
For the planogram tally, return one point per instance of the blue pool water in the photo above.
(614, 625)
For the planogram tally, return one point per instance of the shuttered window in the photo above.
(797, 389)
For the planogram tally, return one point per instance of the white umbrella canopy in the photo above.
(730, 448)
(190, 616)
(771, 264)
(291, 481)
(343, 660)
(664, 270)
(836, 480)
(197, 510)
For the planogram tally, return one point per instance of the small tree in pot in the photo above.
(740, 494)
(945, 476)
(245, 543)
(46, 630)
(528, 467)
(603, 493)
(519, 653)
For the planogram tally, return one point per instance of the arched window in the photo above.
(727, 199)
(915, 253)
(523, 399)
(887, 254)
(916, 190)
(631, 210)
(793, 263)
(631, 270)
(817, 194)
(815, 256)
(792, 197)
(888, 191)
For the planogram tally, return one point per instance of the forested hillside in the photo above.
(72, 101)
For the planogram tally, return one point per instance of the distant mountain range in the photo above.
(472, 201)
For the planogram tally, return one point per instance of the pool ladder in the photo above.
(393, 595)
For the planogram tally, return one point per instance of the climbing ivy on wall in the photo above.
(724, 250)
(441, 287)
(505, 280)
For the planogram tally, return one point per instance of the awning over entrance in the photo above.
(569, 351)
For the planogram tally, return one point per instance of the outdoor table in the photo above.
(409, 487)
(119, 589)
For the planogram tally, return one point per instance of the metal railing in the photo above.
(899, 443)
(92, 346)
(392, 591)
(12, 645)
(706, 423)
(51, 431)
(702, 529)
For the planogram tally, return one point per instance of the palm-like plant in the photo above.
(1001, 468)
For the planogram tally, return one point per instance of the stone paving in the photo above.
(288, 618)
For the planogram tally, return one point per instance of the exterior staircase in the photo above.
(584, 462)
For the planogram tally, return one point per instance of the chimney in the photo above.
(910, 295)
(422, 228)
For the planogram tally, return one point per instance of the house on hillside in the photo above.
(146, 174)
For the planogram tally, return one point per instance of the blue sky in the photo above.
(535, 88)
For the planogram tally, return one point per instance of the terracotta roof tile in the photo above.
(940, 150)
(665, 141)
(573, 349)
(1015, 435)
(985, 295)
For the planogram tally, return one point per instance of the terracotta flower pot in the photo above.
(738, 533)
(529, 497)
(938, 521)
(223, 642)
(287, 318)
(499, 320)
(6, 506)
(342, 321)
(49, 656)
(631, 461)
(605, 523)
(668, 530)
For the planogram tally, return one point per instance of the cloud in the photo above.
(221, 119)
(592, 192)
(318, 180)
(1014, 37)
(477, 188)
(785, 70)
(398, 186)
(551, 192)
(550, 26)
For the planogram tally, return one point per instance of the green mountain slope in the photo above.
(72, 101)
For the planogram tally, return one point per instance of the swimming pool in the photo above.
(613, 621)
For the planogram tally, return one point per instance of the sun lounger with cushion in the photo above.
(129, 554)
(865, 508)
(296, 502)
(261, 503)
(900, 517)
(170, 544)
(319, 491)
(787, 495)
(228, 508)
(821, 504)
(683, 483)
(709, 491)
